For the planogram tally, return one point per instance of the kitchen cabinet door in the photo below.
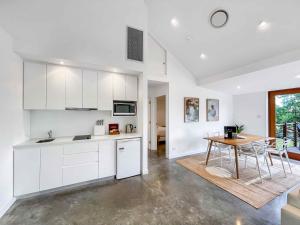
(90, 89)
(107, 158)
(131, 88)
(119, 87)
(26, 171)
(35, 75)
(56, 87)
(80, 173)
(74, 88)
(105, 91)
(51, 167)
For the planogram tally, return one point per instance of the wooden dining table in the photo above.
(242, 139)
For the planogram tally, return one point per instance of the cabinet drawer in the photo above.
(80, 148)
(80, 173)
(81, 158)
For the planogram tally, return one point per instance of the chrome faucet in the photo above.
(50, 133)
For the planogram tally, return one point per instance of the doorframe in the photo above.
(272, 106)
(167, 93)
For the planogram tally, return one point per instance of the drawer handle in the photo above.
(121, 149)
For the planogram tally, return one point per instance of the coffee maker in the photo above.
(129, 128)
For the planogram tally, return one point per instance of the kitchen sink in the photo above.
(46, 140)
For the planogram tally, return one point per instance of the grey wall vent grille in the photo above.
(135, 49)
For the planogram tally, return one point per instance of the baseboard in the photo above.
(182, 154)
(7, 206)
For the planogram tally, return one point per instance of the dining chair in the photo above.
(274, 150)
(219, 147)
(256, 150)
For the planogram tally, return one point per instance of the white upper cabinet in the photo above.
(125, 87)
(56, 87)
(74, 88)
(131, 88)
(119, 86)
(35, 85)
(51, 167)
(105, 91)
(90, 89)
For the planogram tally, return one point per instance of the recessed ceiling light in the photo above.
(263, 25)
(238, 87)
(298, 76)
(174, 22)
(203, 56)
(62, 62)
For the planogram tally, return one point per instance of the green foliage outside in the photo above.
(287, 111)
(288, 108)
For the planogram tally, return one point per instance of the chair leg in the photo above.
(268, 166)
(257, 163)
(246, 161)
(288, 160)
(220, 152)
(280, 154)
(229, 153)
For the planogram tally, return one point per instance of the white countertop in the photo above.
(69, 140)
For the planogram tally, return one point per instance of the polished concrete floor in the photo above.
(170, 194)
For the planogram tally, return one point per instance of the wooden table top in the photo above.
(243, 140)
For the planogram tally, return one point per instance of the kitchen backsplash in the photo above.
(70, 123)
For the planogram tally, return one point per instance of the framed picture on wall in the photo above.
(212, 109)
(191, 109)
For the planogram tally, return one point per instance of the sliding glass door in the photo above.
(284, 117)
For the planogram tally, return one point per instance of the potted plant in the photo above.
(240, 128)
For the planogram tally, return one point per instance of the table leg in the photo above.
(236, 163)
(208, 152)
(270, 158)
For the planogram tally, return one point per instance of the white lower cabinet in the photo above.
(26, 171)
(80, 173)
(51, 167)
(107, 158)
(80, 162)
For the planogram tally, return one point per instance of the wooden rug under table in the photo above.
(249, 187)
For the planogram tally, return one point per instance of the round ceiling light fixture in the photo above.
(219, 18)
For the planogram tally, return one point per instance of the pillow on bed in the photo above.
(161, 131)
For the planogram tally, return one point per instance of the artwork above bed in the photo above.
(191, 109)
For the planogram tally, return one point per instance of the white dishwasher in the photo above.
(128, 157)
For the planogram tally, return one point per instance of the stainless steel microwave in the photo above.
(124, 108)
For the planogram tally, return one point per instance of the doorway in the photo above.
(284, 119)
(158, 119)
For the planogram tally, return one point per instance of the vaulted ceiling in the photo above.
(238, 47)
(93, 31)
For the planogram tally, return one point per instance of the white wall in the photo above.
(251, 110)
(187, 138)
(14, 122)
(70, 123)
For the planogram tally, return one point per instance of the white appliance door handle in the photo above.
(121, 149)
